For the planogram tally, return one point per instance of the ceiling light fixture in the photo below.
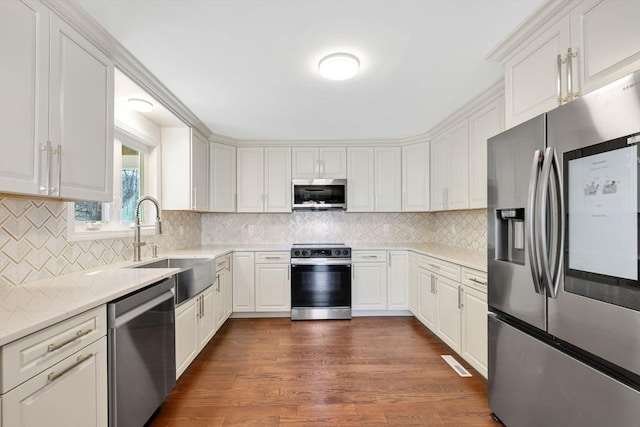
(339, 66)
(140, 105)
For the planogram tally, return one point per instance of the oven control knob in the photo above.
(345, 252)
(305, 253)
(336, 252)
(296, 253)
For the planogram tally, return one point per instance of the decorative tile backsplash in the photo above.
(467, 229)
(33, 243)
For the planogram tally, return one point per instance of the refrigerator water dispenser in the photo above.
(510, 235)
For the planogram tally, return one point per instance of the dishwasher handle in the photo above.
(141, 309)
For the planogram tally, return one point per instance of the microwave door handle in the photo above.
(541, 222)
(531, 223)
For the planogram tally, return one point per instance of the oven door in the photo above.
(321, 284)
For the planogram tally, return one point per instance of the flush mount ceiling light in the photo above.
(339, 66)
(140, 105)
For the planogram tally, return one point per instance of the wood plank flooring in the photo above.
(369, 371)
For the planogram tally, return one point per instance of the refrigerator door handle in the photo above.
(531, 224)
(551, 276)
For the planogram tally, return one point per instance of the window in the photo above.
(135, 174)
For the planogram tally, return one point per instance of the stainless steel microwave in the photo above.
(319, 194)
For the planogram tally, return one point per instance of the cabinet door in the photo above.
(24, 85)
(415, 177)
(199, 173)
(458, 195)
(531, 75)
(606, 35)
(398, 280)
(227, 292)
(413, 284)
(186, 335)
(474, 329)
(243, 282)
(427, 297)
(360, 185)
(440, 161)
(333, 163)
(388, 179)
(305, 164)
(250, 179)
(273, 288)
(483, 124)
(369, 286)
(71, 393)
(448, 324)
(277, 179)
(208, 315)
(80, 115)
(222, 183)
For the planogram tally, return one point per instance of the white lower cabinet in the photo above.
(369, 286)
(222, 291)
(427, 303)
(474, 328)
(244, 299)
(448, 323)
(72, 393)
(195, 326)
(57, 376)
(413, 284)
(273, 287)
(398, 280)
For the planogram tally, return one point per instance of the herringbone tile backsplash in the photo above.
(33, 243)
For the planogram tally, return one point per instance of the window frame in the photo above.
(78, 230)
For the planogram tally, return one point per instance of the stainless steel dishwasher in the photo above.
(141, 353)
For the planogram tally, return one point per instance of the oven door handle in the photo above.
(319, 261)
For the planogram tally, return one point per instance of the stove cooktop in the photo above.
(320, 250)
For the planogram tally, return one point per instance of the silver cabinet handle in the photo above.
(55, 375)
(44, 171)
(272, 257)
(218, 282)
(321, 168)
(370, 256)
(79, 334)
(460, 297)
(559, 78)
(530, 233)
(480, 282)
(289, 273)
(202, 304)
(58, 152)
(432, 285)
(570, 93)
(195, 197)
(459, 306)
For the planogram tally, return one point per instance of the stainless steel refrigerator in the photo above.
(564, 295)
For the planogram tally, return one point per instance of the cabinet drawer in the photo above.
(26, 357)
(272, 257)
(223, 263)
(443, 268)
(369, 256)
(474, 278)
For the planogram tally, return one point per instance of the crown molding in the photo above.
(545, 15)
(77, 17)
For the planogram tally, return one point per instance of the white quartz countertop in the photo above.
(33, 306)
(36, 305)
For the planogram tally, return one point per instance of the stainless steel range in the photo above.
(320, 281)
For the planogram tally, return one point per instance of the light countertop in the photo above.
(36, 305)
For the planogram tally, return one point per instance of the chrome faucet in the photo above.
(137, 243)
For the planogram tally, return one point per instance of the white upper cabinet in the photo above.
(56, 131)
(415, 177)
(264, 179)
(458, 186)
(185, 170)
(388, 179)
(606, 34)
(483, 124)
(575, 47)
(360, 179)
(314, 162)
(374, 179)
(222, 184)
(440, 155)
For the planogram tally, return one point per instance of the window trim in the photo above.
(76, 231)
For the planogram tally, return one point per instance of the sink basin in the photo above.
(195, 275)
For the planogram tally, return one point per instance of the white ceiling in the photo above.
(248, 68)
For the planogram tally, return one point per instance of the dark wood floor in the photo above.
(365, 372)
